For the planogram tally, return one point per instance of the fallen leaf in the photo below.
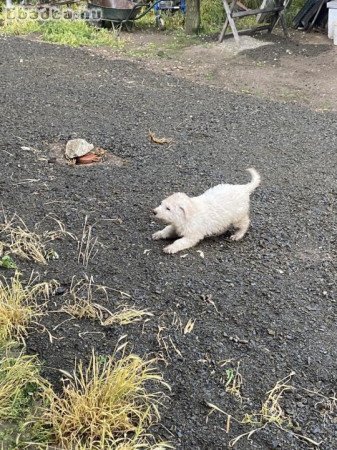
(157, 140)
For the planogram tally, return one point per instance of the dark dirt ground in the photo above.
(274, 291)
(301, 69)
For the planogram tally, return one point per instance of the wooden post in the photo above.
(230, 21)
(224, 28)
(284, 24)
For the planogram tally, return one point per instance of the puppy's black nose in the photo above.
(154, 212)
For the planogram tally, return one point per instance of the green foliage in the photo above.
(19, 380)
(212, 15)
(7, 262)
(295, 7)
(74, 33)
(18, 27)
(20, 392)
(171, 21)
(229, 376)
(77, 33)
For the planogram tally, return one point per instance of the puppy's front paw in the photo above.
(170, 250)
(157, 235)
(236, 237)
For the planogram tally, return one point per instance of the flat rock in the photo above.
(77, 147)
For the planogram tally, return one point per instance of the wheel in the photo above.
(96, 23)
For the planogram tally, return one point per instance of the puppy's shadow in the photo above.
(221, 237)
(214, 240)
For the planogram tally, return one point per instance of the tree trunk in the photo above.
(192, 17)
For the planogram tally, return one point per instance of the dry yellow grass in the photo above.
(125, 315)
(271, 413)
(81, 308)
(18, 240)
(166, 344)
(105, 405)
(81, 299)
(19, 307)
(87, 244)
(81, 304)
(271, 410)
(189, 326)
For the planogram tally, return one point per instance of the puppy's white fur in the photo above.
(211, 213)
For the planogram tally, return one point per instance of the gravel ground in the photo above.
(267, 301)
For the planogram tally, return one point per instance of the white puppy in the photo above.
(211, 213)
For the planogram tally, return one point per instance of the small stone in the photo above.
(60, 290)
(77, 147)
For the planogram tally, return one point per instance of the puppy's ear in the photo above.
(184, 206)
(183, 209)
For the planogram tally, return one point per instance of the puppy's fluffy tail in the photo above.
(256, 179)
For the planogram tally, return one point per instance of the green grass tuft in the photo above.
(74, 33)
(78, 33)
(19, 381)
(172, 22)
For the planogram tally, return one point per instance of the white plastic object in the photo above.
(332, 18)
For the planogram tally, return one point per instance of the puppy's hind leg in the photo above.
(181, 244)
(167, 233)
(242, 227)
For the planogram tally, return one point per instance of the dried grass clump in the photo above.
(126, 315)
(87, 244)
(271, 413)
(81, 304)
(17, 239)
(19, 306)
(81, 299)
(105, 405)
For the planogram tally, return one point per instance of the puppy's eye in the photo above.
(168, 209)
